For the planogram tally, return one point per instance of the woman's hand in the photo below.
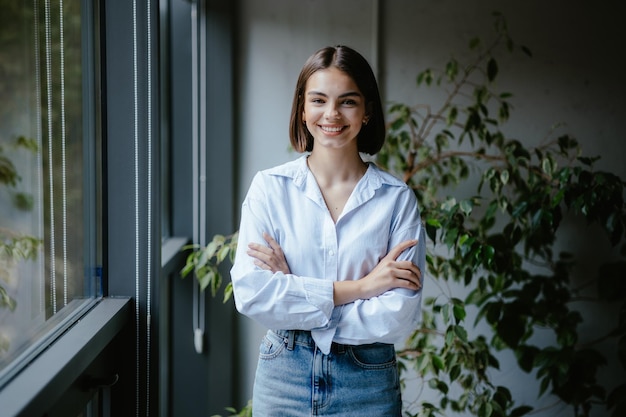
(387, 275)
(270, 257)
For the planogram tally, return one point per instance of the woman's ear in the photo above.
(369, 110)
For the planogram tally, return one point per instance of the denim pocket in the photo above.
(374, 356)
(271, 345)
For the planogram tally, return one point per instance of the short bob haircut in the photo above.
(372, 135)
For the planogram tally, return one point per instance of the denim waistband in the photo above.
(303, 337)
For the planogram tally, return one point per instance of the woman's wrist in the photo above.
(345, 292)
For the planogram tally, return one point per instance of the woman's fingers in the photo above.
(260, 252)
(411, 275)
(410, 266)
(268, 257)
(399, 248)
(273, 244)
(405, 270)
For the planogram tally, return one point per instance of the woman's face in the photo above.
(334, 109)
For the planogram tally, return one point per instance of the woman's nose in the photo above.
(332, 112)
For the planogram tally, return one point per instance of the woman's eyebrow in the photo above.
(347, 94)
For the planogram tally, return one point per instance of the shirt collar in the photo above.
(298, 171)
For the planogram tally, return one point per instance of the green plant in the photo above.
(244, 412)
(498, 245)
(204, 262)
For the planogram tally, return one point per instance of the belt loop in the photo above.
(291, 339)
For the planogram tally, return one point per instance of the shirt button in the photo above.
(331, 252)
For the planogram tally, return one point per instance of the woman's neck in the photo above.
(332, 167)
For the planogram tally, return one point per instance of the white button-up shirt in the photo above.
(286, 202)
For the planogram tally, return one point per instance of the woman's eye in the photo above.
(317, 101)
(349, 102)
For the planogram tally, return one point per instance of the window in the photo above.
(48, 245)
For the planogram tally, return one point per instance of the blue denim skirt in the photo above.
(295, 379)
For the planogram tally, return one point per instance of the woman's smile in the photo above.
(332, 129)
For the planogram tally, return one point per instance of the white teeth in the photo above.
(332, 129)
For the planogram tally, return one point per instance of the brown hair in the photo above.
(372, 135)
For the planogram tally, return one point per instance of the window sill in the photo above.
(40, 385)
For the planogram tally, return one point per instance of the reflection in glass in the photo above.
(46, 262)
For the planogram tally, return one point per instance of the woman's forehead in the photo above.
(332, 80)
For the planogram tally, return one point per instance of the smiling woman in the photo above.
(330, 254)
(47, 255)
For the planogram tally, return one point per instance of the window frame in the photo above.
(60, 323)
(124, 365)
(92, 355)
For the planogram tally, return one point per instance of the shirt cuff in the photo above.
(319, 293)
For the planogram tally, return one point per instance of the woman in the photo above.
(330, 254)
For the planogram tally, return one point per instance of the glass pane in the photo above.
(47, 173)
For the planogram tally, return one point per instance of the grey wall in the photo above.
(574, 78)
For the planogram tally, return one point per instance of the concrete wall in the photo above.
(574, 78)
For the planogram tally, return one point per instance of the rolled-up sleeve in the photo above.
(276, 300)
(392, 316)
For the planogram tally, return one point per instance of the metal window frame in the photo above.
(96, 358)
(48, 385)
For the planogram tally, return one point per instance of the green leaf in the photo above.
(189, 266)
(476, 297)
(455, 372)
(207, 253)
(504, 176)
(545, 383)
(587, 160)
(450, 336)
(449, 204)
(27, 143)
(222, 253)
(526, 357)
(23, 201)
(438, 363)
(450, 236)
(485, 410)
(205, 279)
(425, 76)
(488, 253)
(452, 69)
(459, 312)
(493, 310)
(433, 222)
(6, 300)
(461, 333)
(228, 292)
(452, 115)
(445, 311)
(466, 207)
(421, 363)
(216, 282)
